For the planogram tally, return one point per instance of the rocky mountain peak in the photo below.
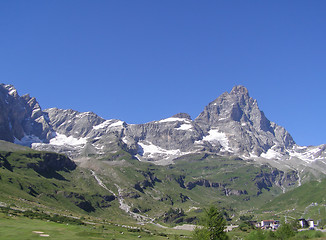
(11, 90)
(72, 123)
(182, 115)
(21, 119)
(232, 124)
(233, 106)
(237, 117)
(239, 90)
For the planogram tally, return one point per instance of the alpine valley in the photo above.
(161, 172)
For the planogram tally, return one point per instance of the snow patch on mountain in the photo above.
(103, 125)
(232, 124)
(271, 154)
(61, 139)
(117, 124)
(84, 114)
(149, 149)
(174, 119)
(307, 154)
(125, 140)
(108, 124)
(215, 136)
(185, 127)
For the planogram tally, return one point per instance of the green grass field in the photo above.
(17, 227)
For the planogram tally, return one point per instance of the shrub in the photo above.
(285, 231)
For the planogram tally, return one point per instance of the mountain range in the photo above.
(231, 125)
(69, 162)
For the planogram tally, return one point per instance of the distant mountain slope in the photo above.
(51, 182)
(307, 201)
(301, 197)
(231, 125)
(115, 189)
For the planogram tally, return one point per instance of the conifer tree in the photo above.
(213, 226)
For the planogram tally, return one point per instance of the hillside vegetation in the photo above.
(100, 187)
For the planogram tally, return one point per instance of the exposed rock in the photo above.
(150, 180)
(72, 123)
(203, 182)
(173, 215)
(72, 195)
(167, 198)
(231, 125)
(180, 180)
(267, 179)
(131, 195)
(236, 121)
(183, 198)
(182, 115)
(21, 118)
(229, 192)
(221, 186)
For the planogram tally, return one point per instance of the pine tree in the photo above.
(213, 226)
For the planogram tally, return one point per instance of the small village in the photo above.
(274, 224)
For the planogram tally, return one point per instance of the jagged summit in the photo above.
(238, 118)
(232, 106)
(232, 124)
(182, 115)
(239, 90)
(22, 119)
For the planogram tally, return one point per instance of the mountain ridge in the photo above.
(232, 124)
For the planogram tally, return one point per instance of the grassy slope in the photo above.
(61, 192)
(166, 192)
(308, 201)
(161, 188)
(7, 146)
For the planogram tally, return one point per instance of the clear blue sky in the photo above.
(140, 61)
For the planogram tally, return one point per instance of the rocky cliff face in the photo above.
(165, 139)
(21, 118)
(235, 120)
(72, 123)
(232, 124)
